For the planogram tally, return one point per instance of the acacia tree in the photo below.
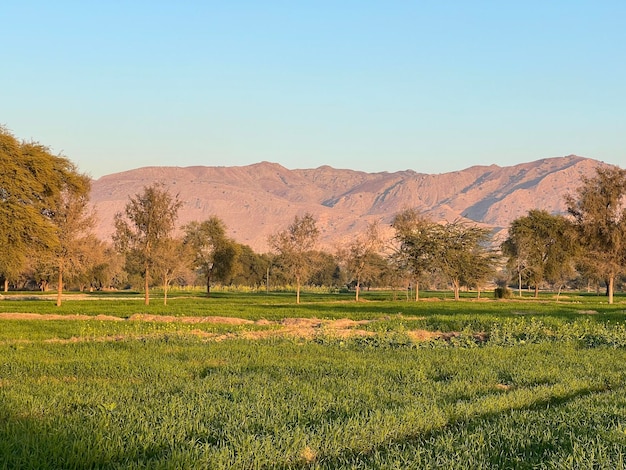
(417, 245)
(599, 212)
(212, 251)
(293, 245)
(142, 230)
(358, 255)
(540, 247)
(73, 221)
(462, 254)
(31, 179)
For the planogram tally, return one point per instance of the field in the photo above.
(252, 381)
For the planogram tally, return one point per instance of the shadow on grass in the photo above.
(518, 455)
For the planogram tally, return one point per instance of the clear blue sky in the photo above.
(434, 86)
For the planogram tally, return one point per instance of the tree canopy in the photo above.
(144, 228)
(32, 182)
(294, 246)
(541, 248)
(213, 252)
(599, 211)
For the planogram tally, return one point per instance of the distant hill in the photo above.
(255, 201)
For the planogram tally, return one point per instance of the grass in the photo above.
(520, 384)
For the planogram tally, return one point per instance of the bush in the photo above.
(502, 292)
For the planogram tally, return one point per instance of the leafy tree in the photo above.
(250, 267)
(31, 180)
(540, 247)
(212, 251)
(462, 254)
(599, 212)
(73, 221)
(107, 270)
(326, 271)
(294, 246)
(357, 256)
(172, 263)
(93, 255)
(144, 228)
(417, 246)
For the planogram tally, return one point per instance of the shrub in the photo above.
(502, 292)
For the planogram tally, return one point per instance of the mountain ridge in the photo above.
(257, 200)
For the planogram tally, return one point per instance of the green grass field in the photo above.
(499, 384)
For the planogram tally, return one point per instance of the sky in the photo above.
(432, 86)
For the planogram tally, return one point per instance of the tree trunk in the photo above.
(610, 287)
(208, 284)
(536, 291)
(146, 288)
(297, 290)
(6, 285)
(358, 288)
(60, 287)
(519, 282)
(417, 290)
(165, 283)
(457, 288)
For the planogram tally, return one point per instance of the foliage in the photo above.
(173, 263)
(462, 255)
(31, 182)
(73, 221)
(359, 255)
(294, 247)
(143, 229)
(502, 292)
(416, 250)
(214, 254)
(599, 211)
(541, 247)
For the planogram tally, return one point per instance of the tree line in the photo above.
(46, 240)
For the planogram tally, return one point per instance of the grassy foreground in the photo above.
(522, 384)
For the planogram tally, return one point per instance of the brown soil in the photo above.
(306, 328)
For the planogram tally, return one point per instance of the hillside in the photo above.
(256, 200)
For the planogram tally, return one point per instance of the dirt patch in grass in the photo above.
(52, 316)
(306, 328)
(173, 319)
(423, 335)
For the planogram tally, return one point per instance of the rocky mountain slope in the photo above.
(257, 200)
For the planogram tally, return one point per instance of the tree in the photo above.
(213, 252)
(293, 245)
(172, 262)
(250, 267)
(358, 255)
(31, 181)
(599, 212)
(145, 226)
(326, 271)
(72, 220)
(540, 247)
(462, 254)
(417, 246)
(104, 268)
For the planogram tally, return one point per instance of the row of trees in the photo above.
(590, 243)
(45, 234)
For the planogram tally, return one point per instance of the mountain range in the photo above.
(258, 200)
